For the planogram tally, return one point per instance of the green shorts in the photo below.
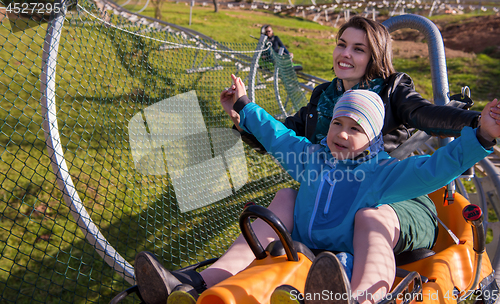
(418, 226)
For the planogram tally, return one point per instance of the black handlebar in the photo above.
(474, 216)
(272, 220)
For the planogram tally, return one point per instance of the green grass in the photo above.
(480, 74)
(104, 78)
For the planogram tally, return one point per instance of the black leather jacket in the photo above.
(405, 111)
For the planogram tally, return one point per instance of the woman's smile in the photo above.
(344, 65)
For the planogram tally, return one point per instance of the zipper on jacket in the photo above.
(315, 209)
(318, 197)
(329, 199)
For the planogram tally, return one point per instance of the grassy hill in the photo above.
(312, 45)
(101, 71)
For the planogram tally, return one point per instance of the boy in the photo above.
(349, 170)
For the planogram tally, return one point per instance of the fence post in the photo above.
(254, 65)
(276, 84)
(191, 11)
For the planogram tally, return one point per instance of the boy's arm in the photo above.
(280, 141)
(288, 148)
(421, 175)
(296, 122)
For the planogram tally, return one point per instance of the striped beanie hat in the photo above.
(365, 107)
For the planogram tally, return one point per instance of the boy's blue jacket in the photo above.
(331, 191)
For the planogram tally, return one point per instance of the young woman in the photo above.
(361, 59)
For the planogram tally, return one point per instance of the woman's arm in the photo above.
(304, 121)
(410, 108)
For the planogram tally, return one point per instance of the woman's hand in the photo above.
(490, 128)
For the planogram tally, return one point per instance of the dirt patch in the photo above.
(412, 49)
(465, 39)
(478, 34)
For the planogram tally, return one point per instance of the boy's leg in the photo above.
(376, 233)
(239, 255)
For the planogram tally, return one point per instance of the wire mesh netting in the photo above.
(113, 141)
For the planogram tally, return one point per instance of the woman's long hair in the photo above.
(379, 42)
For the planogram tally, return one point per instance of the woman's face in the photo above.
(351, 56)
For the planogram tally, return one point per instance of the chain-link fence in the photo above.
(113, 141)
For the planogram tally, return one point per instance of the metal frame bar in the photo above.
(56, 153)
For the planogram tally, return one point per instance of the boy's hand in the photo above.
(490, 128)
(229, 96)
(495, 113)
(239, 87)
(226, 100)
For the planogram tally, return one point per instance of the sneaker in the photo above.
(183, 294)
(286, 294)
(155, 283)
(297, 67)
(327, 282)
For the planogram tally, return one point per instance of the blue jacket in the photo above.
(331, 191)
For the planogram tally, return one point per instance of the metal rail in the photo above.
(56, 153)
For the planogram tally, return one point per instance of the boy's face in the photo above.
(346, 139)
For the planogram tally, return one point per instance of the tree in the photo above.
(216, 6)
(157, 4)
